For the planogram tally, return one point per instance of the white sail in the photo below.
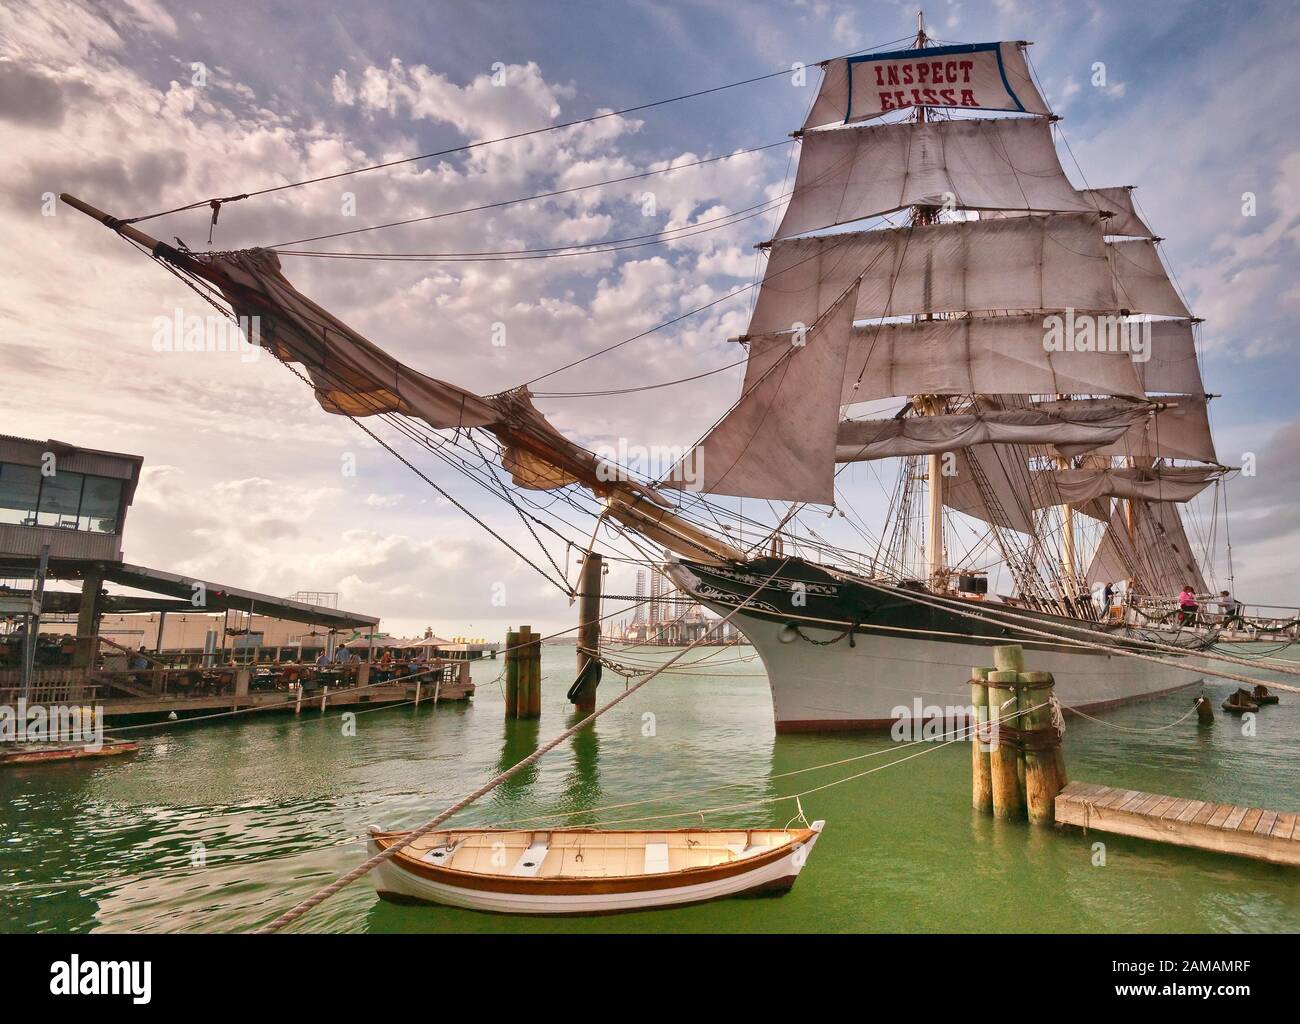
(1166, 483)
(1157, 555)
(977, 355)
(986, 164)
(978, 76)
(778, 441)
(1181, 430)
(1172, 366)
(988, 484)
(1028, 263)
(1117, 203)
(1141, 283)
(865, 440)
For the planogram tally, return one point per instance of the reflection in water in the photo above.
(583, 780)
(280, 804)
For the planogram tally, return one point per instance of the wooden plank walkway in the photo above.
(1222, 828)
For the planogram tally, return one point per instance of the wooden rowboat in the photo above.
(589, 871)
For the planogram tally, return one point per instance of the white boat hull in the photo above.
(883, 678)
(391, 880)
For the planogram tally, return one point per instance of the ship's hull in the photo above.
(843, 656)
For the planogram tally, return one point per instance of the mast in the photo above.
(931, 406)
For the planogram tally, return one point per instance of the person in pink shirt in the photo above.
(1187, 605)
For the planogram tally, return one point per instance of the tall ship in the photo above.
(938, 299)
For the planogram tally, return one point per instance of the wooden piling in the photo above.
(589, 588)
(1004, 757)
(1041, 780)
(1011, 658)
(512, 674)
(981, 779)
(324, 699)
(530, 674)
(418, 683)
(297, 704)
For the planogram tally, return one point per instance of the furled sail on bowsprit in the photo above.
(352, 376)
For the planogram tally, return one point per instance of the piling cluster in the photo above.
(1017, 763)
(523, 673)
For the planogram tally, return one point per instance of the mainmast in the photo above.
(930, 405)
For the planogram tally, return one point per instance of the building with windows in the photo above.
(63, 515)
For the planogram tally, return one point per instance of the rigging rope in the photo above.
(291, 915)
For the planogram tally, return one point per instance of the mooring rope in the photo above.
(291, 915)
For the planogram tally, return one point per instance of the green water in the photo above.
(279, 804)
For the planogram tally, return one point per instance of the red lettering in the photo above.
(893, 74)
(907, 74)
(950, 71)
(880, 78)
(968, 98)
(949, 97)
(923, 72)
(936, 71)
(966, 66)
(885, 102)
(930, 97)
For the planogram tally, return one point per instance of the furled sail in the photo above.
(1180, 430)
(352, 376)
(1117, 203)
(977, 355)
(1171, 366)
(1071, 433)
(1027, 263)
(778, 441)
(978, 76)
(1157, 557)
(1141, 283)
(1162, 483)
(986, 164)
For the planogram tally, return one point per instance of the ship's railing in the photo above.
(1210, 612)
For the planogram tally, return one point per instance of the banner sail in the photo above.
(975, 76)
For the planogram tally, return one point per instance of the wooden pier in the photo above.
(1221, 828)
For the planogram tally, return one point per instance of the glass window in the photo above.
(19, 487)
(60, 500)
(99, 504)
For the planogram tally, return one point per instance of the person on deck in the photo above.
(1230, 607)
(323, 660)
(1187, 605)
(342, 656)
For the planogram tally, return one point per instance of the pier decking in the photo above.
(1222, 828)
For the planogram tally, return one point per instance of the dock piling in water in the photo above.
(1017, 764)
(512, 673)
(982, 782)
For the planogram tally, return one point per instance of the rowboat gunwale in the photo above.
(575, 886)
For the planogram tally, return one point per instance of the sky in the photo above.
(139, 106)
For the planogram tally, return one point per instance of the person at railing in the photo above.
(1230, 608)
(139, 660)
(1187, 605)
(323, 660)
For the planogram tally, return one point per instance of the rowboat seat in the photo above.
(531, 860)
(656, 858)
